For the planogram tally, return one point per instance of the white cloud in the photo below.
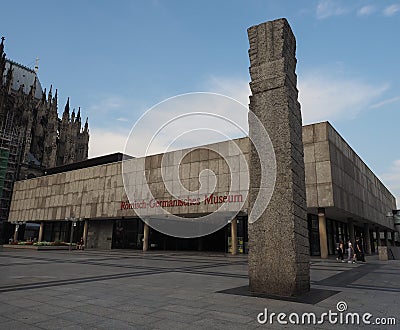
(366, 10)
(106, 103)
(391, 10)
(106, 141)
(328, 8)
(323, 96)
(326, 97)
(115, 107)
(182, 122)
(385, 102)
(236, 88)
(188, 120)
(164, 123)
(392, 179)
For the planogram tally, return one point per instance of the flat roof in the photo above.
(101, 160)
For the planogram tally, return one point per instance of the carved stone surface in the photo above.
(278, 241)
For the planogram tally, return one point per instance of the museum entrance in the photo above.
(127, 234)
(215, 242)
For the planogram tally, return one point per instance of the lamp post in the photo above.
(72, 233)
(73, 225)
(17, 224)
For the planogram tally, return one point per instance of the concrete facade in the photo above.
(96, 194)
(340, 182)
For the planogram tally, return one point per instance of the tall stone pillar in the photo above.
(378, 236)
(234, 239)
(41, 228)
(367, 238)
(323, 238)
(278, 240)
(351, 230)
(146, 237)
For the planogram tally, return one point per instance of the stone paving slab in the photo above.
(131, 290)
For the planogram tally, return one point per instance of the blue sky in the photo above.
(115, 59)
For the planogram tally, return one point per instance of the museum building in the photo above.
(89, 199)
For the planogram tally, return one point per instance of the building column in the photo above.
(145, 237)
(16, 232)
(342, 236)
(234, 240)
(372, 241)
(378, 236)
(41, 228)
(393, 236)
(85, 231)
(351, 231)
(323, 238)
(367, 238)
(386, 237)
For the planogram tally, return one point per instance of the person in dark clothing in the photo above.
(358, 250)
(340, 250)
(81, 244)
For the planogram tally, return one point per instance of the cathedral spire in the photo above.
(21, 88)
(2, 59)
(44, 96)
(66, 112)
(73, 115)
(78, 116)
(2, 45)
(32, 91)
(50, 96)
(66, 109)
(55, 99)
(86, 129)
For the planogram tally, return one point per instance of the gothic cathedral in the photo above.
(47, 140)
(32, 137)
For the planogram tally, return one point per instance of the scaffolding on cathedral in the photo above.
(10, 153)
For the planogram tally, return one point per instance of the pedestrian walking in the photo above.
(358, 250)
(350, 252)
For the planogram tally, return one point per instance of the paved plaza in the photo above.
(122, 289)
